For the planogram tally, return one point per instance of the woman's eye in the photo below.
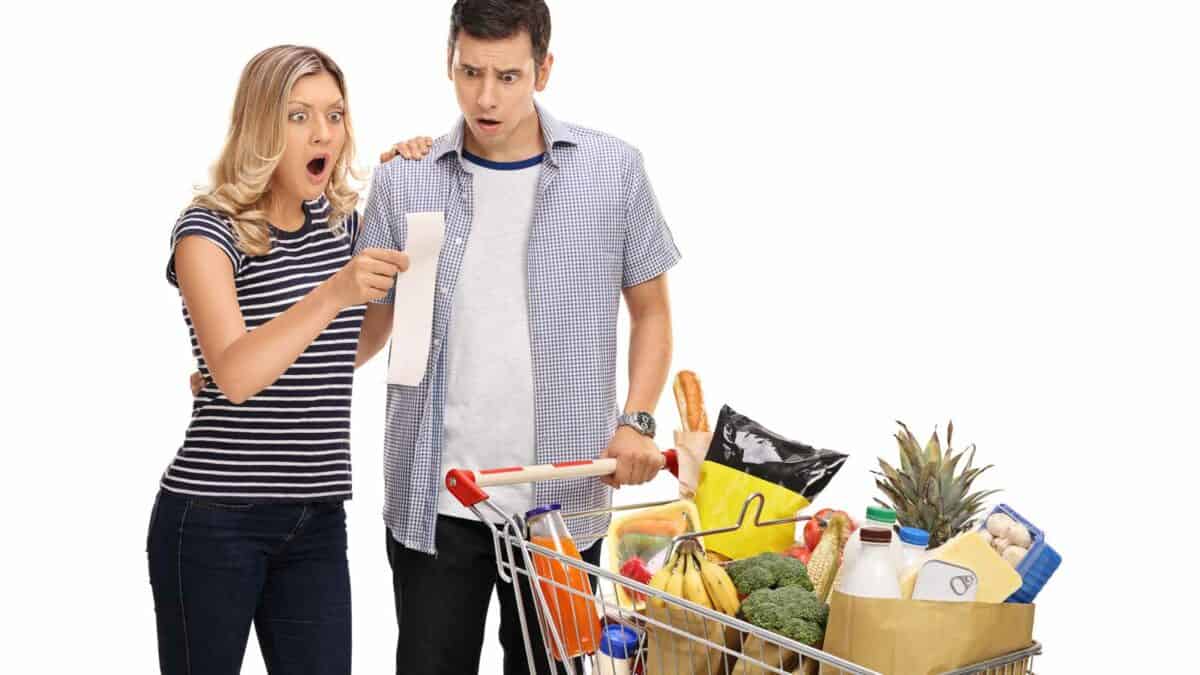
(335, 116)
(298, 116)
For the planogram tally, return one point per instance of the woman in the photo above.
(249, 526)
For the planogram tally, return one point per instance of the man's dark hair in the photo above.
(500, 19)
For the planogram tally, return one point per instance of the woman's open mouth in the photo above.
(317, 168)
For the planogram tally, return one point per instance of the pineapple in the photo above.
(926, 492)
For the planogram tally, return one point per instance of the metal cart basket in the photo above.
(676, 636)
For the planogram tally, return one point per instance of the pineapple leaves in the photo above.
(932, 487)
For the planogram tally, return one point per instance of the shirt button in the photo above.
(458, 241)
(437, 342)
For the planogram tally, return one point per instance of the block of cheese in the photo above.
(997, 578)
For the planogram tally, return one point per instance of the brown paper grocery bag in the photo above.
(669, 653)
(917, 637)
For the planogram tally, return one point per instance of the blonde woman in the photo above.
(248, 526)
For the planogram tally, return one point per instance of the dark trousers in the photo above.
(216, 566)
(442, 603)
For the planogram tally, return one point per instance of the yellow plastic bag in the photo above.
(723, 491)
(743, 458)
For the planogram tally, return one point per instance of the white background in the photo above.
(915, 211)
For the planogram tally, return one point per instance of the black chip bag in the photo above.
(746, 457)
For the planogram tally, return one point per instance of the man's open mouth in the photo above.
(488, 123)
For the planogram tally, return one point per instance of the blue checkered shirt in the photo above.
(596, 229)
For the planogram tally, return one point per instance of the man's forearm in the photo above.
(649, 359)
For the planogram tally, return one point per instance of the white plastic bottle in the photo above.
(873, 572)
(913, 548)
(880, 519)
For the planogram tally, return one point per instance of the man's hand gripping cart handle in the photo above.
(467, 485)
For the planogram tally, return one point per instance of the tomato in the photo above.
(813, 529)
(799, 552)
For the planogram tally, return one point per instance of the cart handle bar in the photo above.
(467, 486)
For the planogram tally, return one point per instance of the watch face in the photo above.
(646, 422)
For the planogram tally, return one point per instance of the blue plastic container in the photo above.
(1038, 565)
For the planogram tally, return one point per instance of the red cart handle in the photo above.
(467, 486)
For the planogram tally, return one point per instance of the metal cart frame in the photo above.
(691, 639)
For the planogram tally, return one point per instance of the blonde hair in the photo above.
(256, 140)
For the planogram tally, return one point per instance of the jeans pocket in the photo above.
(221, 505)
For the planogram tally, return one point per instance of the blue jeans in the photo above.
(217, 565)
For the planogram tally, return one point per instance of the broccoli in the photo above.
(792, 611)
(768, 570)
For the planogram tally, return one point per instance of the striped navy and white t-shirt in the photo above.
(291, 441)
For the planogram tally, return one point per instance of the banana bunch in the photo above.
(690, 575)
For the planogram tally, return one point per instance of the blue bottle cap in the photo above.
(542, 510)
(915, 536)
(619, 642)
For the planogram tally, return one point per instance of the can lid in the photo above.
(914, 535)
(541, 511)
(881, 514)
(619, 642)
(872, 535)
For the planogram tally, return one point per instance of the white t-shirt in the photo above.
(489, 420)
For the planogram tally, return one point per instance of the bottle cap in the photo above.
(619, 642)
(541, 511)
(881, 514)
(871, 535)
(915, 536)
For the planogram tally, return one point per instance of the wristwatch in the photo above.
(642, 422)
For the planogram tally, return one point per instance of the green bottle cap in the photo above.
(881, 514)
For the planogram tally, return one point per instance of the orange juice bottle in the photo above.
(569, 603)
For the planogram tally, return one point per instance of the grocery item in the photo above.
(816, 524)
(1035, 562)
(746, 458)
(793, 612)
(692, 576)
(997, 579)
(941, 581)
(567, 592)
(799, 552)
(872, 574)
(689, 398)
(618, 649)
(914, 543)
(826, 560)
(929, 490)
(635, 568)
(878, 518)
(719, 586)
(646, 535)
(767, 570)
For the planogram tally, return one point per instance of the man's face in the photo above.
(495, 81)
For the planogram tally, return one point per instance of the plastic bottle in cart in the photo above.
(572, 611)
(873, 572)
(618, 649)
(878, 518)
(913, 544)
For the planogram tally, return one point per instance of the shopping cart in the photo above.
(678, 637)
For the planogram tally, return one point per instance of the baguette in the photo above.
(689, 398)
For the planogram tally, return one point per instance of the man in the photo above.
(548, 225)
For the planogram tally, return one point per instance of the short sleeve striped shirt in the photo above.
(291, 441)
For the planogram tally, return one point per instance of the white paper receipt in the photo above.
(412, 319)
